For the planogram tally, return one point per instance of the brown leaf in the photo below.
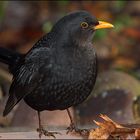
(109, 129)
(106, 118)
(104, 130)
(98, 134)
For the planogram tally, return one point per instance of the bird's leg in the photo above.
(42, 131)
(72, 127)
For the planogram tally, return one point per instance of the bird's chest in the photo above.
(74, 65)
(74, 69)
(73, 78)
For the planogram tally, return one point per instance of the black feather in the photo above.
(12, 101)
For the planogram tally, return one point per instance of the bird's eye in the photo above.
(84, 24)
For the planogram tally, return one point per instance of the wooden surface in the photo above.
(34, 135)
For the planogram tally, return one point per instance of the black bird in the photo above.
(59, 71)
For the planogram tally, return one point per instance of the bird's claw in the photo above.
(46, 133)
(83, 132)
(72, 128)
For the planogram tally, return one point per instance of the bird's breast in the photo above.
(73, 77)
(74, 64)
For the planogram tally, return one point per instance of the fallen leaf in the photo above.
(110, 129)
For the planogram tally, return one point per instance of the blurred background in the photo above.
(117, 90)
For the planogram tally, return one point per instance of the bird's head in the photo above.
(79, 26)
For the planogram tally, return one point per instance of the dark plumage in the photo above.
(59, 71)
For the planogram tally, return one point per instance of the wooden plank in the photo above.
(34, 135)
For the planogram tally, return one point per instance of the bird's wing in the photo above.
(26, 77)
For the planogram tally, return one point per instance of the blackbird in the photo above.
(59, 71)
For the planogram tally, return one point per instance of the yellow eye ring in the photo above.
(84, 25)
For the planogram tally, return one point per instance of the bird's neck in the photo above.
(60, 40)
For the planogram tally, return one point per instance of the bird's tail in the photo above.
(9, 57)
(9, 105)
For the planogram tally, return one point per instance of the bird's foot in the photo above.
(46, 133)
(72, 128)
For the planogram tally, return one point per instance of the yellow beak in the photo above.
(103, 25)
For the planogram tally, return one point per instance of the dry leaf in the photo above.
(110, 129)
